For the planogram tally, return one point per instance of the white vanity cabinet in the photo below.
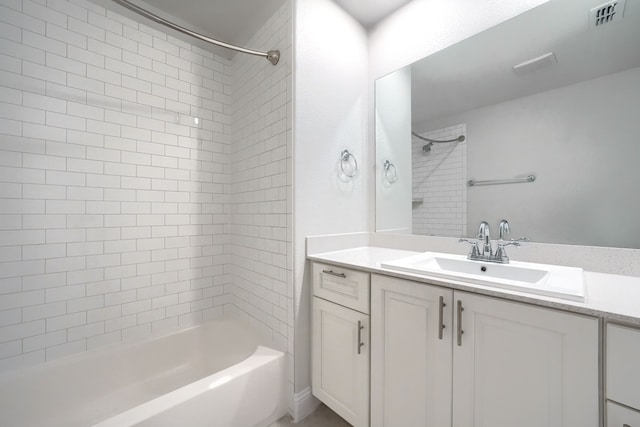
(496, 364)
(340, 341)
(519, 365)
(623, 376)
(411, 353)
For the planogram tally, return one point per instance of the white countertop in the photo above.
(613, 297)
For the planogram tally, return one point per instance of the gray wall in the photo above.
(581, 142)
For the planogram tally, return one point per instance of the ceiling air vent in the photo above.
(608, 12)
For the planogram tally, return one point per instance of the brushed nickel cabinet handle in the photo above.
(441, 325)
(360, 343)
(460, 331)
(333, 273)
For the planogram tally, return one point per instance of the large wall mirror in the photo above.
(541, 115)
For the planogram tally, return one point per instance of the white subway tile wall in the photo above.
(440, 184)
(261, 269)
(119, 213)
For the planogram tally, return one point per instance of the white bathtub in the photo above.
(211, 375)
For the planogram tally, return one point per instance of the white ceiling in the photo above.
(478, 71)
(236, 21)
(370, 12)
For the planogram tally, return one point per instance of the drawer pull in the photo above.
(460, 331)
(441, 325)
(360, 343)
(626, 425)
(333, 273)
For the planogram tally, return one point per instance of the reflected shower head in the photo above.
(427, 148)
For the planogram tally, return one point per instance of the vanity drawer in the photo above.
(349, 288)
(623, 369)
(620, 416)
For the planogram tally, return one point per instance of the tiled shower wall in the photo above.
(114, 181)
(439, 179)
(261, 193)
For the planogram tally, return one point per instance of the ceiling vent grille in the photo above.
(608, 12)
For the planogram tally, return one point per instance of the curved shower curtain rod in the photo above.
(458, 139)
(272, 56)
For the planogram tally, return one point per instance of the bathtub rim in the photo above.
(168, 401)
(13, 374)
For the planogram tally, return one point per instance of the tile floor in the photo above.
(322, 417)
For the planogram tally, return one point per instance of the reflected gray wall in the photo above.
(565, 137)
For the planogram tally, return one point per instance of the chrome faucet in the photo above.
(484, 236)
(503, 228)
(481, 249)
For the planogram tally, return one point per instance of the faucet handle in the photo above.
(469, 241)
(475, 252)
(501, 252)
(511, 243)
(515, 242)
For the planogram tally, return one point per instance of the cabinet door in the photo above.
(623, 372)
(410, 360)
(340, 360)
(519, 365)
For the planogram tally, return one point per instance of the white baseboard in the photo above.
(304, 404)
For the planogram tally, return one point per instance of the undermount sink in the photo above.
(540, 279)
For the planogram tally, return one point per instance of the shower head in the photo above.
(427, 148)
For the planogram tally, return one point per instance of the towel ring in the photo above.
(344, 158)
(387, 167)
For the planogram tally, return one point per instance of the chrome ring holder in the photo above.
(345, 155)
(387, 167)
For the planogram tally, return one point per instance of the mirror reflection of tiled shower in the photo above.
(439, 205)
